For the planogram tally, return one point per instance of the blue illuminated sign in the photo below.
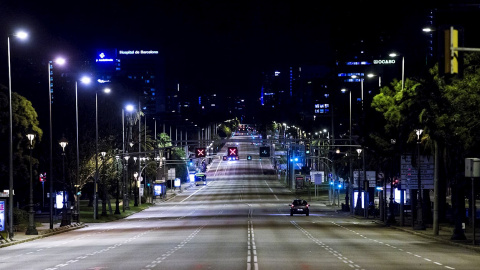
(102, 58)
(137, 52)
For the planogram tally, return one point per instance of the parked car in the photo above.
(299, 206)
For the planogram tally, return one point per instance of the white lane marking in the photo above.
(388, 245)
(327, 248)
(271, 190)
(162, 257)
(252, 262)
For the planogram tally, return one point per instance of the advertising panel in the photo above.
(157, 190)
(2, 215)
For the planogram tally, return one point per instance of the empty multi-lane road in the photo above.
(240, 220)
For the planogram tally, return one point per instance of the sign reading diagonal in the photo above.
(232, 151)
(200, 152)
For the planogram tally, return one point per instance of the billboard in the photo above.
(2, 215)
(264, 151)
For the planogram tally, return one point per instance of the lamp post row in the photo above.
(63, 142)
(60, 61)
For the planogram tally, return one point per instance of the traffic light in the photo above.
(232, 152)
(307, 148)
(249, 157)
(191, 162)
(395, 183)
(451, 54)
(224, 157)
(264, 151)
(200, 152)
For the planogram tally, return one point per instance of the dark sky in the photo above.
(213, 45)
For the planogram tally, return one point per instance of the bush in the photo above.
(19, 216)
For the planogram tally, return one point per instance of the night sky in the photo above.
(215, 46)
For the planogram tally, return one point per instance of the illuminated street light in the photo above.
(21, 35)
(84, 80)
(117, 202)
(350, 142)
(59, 61)
(403, 68)
(126, 204)
(31, 230)
(65, 221)
(95, 195)
(419, 224)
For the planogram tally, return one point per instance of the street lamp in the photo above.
(59, 61)
(419, 225)
(117, 202)
(359, 196)
(63, 143)
(95, 200)
(126, 204)
(403, 68)
(350, 142)
(31, 230)
(84, 80)
(21, 35)
(104, 208)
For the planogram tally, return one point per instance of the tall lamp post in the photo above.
(59, 61)
(84, 80)
(419, 224)
(350, 142)
(95, 189)
(20, 35)
(403, 68)
(63, 143)
(31, 230)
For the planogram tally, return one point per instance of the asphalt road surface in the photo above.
(239, 220)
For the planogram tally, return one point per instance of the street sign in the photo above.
(200, 152)
(371, 177)
(171, 174)
(232, 152)
(264, 151)
(317, 177)
(409, 172)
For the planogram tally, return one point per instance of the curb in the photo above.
(42, 234)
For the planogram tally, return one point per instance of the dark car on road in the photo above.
(299, 206)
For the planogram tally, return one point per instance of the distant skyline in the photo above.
(213, 46)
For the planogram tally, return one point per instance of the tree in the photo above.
(24, 120)
(447, 110)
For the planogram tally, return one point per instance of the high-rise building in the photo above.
(139, 73)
